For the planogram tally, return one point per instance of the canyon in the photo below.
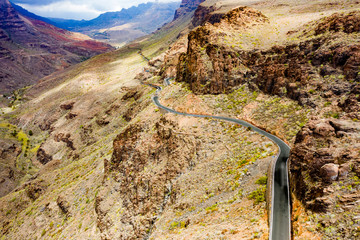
(86, 154)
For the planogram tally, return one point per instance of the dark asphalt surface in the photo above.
(280, 219)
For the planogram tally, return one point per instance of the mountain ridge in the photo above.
(136, 21)
(31, 49)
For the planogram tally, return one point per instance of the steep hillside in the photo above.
(31, 49)
(87, 155)
(64, 131)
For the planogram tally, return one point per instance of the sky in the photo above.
(78, 9)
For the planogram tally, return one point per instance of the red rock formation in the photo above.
(325, 167)
(31, 49)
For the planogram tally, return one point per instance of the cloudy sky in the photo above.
(77, 9)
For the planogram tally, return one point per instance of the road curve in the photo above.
(280, 217)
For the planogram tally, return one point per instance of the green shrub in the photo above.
(327, 104)
(262, 180)
(212, 208)
(335, 115)
(258, 195)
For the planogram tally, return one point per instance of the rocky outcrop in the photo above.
(67, 105)
(324, 166)
(209, 67)
(43, 157)
(66, 138)
(205, 14)
(187, 6)
(170, 60)
(31, 49)
(349, 23)
(296, 71)
(9, 175)
(139, 175)
(64, 205)
(35, 189)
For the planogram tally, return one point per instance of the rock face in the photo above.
(206, 14)
(296, 71)
(212, 68)
(348, 23)
(186, 7)
(329, 172)
(31, 49)
(144, 168)
(324, 168)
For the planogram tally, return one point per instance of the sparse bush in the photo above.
(258, 195)
(327, 104)
(212, 208)
(262, 180)
(14, 133)
(335, 115)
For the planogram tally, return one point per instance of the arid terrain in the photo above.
(31, 49)
(85, 154)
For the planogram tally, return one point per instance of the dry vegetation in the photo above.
(75, 115)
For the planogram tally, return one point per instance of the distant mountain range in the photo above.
(117, 27)
(31, 48)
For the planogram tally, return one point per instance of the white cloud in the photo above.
(64, 9)
(81, 9)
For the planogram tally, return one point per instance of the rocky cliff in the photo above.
(187, 6)
(318, 68)
(31, 49)
(324, 167)
(205, 14)
(294, 70)
(144, 187)
(210, 67)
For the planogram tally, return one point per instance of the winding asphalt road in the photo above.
(280, 217)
